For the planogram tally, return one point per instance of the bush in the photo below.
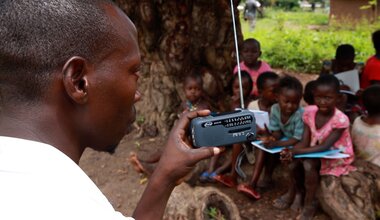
(300, 41)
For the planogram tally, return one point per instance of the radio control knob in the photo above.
(250, 136)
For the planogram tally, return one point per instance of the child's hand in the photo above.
(268, 141)
(286, 155)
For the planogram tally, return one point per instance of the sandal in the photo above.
(204, 176)
(249, 191)
(225, 180)
(211, 177)
(135, 162)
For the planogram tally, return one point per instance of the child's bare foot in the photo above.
(284, 201)
(135, 162)
(297, 203)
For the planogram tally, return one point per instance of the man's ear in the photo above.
(75, 79)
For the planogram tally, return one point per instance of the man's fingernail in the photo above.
(216, 151)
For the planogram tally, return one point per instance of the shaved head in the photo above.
(38, 37)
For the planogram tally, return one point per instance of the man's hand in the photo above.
(178, 157)
(177, 160)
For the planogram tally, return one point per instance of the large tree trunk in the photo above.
(175, 38)
(352, 197)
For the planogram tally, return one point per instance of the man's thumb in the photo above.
(206, 152)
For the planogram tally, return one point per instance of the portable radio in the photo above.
(223, 129)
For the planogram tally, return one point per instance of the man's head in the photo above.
(80, 58)
(39, 36)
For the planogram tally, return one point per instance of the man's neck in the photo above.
(42, 126)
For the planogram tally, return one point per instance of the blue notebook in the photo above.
(329, 154)
(273, 150)
(321, 154)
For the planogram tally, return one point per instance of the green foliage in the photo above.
(300, 41)
(287, 4)
(215, 213)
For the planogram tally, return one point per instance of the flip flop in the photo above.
(204, 176)
(136, 163)
(249, 191)
(225, 180)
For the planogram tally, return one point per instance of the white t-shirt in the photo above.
(37, 181)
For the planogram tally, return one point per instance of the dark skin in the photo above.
(236, 148)
(325, 97)
(236, 93)
(371, 119)
(267, 96)
(93, 104)
(193, 92)
(289, 102)
(250, 54)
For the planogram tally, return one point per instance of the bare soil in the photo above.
(123, 186)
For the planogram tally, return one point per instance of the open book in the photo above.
(261, 117)
(350, 78)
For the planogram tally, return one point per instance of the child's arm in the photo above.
(297, 135)
(286, 155)
(284, 143)
(276, 142)
(325, 145)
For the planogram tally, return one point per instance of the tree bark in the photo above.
(196, 203)
(177, 37)
(354, 196)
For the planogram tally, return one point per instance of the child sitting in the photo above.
(193, 89)
(285, 121)
(267, 82)
(326, 127)
(266, 85)
(251, 51)
(371, 71)
(212, 174)
(366, 129)
(344, 61)
(348, 103)
(308, 96)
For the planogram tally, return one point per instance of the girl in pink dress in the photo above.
(326, 127)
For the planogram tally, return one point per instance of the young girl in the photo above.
(285, 121)
(366, 129)
(326, 127)
(250, 53)
(193, 89)
(266, 83)
(230, 181)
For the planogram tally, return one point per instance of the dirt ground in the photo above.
(123, 186)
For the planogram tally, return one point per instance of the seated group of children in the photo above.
(329, 121)
(323, 124)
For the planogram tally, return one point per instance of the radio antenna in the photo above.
(237, 55)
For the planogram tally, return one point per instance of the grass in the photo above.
(300, 41)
